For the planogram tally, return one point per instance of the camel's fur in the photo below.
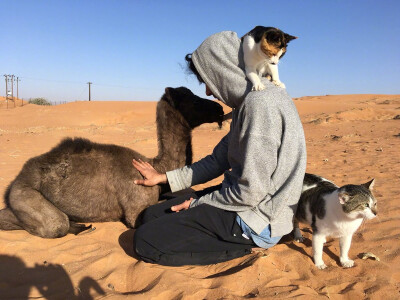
(83, 181)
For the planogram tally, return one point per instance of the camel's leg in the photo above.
(131, 217)
(8, 221)
(37, 215)
(131, 214)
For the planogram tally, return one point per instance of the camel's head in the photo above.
(194, 109)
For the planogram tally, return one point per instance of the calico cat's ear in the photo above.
(370, 184)
(289, 37)
(343, 197)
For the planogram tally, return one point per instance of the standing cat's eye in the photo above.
(366, 204)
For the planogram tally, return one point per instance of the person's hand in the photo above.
(183, 206)
(151, 176)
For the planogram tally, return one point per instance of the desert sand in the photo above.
(350, 139)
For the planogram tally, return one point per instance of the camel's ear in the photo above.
(370, 184)
(170, 96)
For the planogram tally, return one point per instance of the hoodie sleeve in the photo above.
(257, 155)
(204, 170)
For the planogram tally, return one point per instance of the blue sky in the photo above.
(132, 50)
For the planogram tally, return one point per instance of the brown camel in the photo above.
(83, 181)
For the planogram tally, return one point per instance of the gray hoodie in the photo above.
(263, 157)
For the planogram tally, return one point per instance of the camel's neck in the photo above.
(174, 140)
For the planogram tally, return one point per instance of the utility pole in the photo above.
(17, 91)
(89, 83)
(12, 88)
(6, 77)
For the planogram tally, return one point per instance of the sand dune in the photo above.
(350, 139)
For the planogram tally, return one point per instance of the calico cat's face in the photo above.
(274, 43)
(358, 200)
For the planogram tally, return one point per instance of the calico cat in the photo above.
(333, 211)
(262, 49)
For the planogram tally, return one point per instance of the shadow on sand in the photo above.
(51, 280)
(289, 241)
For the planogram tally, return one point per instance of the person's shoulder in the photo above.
(272, 97)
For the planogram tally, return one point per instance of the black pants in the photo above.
(198, 236)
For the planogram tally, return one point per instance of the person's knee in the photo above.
(149, 214)
(138, 241)
(143, 248)
(146, 216)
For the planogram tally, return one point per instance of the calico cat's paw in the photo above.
(347, 263)
(280, 84)
(258, 87)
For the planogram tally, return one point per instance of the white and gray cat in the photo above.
(333, 211)
(262, 49)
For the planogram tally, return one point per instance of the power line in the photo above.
(79, 82)
(80, 94)
(116, 86)
(12, 79)
(52, 80)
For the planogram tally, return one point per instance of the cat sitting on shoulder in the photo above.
(262, 49)
(333, 211)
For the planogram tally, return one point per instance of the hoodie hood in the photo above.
(220, 63)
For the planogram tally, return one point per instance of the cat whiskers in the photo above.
(279, 63)
(377, 218)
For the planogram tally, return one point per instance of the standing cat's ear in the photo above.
(370, 184)
(289, 37)
(343, 197)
